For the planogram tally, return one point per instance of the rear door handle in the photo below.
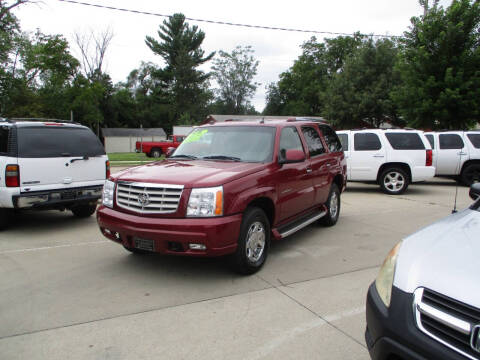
(309, 170)
(378, 156)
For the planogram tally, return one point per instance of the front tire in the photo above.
(470, 174)
(155, 153)
(253, 242)
(333, 207)
(5, 217)
(394, 181)
(84, 211)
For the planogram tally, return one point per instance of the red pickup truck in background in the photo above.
(157, 148)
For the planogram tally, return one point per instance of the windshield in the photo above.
(236, 143)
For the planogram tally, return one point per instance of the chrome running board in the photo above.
(301, 225)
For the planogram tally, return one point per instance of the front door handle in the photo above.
(461, 153)
(378, 156)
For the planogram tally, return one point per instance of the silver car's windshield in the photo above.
(229, 143)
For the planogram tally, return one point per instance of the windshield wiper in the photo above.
(183, 156)
(221, 157)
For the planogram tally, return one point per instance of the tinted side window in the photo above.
(290, 140)
(344, 140)
(331, 139)
(367, 142)
(475, 139)
(315, 146)
(3, 140)
(431, 140)
(405, 141)
(451, 141)
(56, 141)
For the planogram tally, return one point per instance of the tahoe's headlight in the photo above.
(206, 202)
(384, 281)
(108, 192)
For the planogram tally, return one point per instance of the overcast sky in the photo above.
(276, 50)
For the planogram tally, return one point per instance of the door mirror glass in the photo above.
(292, 156)
(475, 191)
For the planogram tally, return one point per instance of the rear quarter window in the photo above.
(331, 138)
(57, 141)
(475, 140)
(405, 141)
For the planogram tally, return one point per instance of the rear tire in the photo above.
(253, 242)
(470, 174)
(394, 181)
(333, 207)
(155, 153)
(84, 211)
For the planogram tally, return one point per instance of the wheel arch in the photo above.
(403, 166)
(470, 162)
(267, 205)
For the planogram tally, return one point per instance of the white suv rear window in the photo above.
(405, 141)
(56, 141)
(475, 140)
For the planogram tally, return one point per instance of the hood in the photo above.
(443, 257)
(194, 173)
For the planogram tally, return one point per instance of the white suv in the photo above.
(49, 164)
(391, 158)
(456, 154)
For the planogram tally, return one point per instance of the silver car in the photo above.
(425, 302)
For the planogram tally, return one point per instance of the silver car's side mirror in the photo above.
(475, 191)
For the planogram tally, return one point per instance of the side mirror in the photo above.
(170, 151)
(292, 156)
(475, 191)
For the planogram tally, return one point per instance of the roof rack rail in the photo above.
(14, 120)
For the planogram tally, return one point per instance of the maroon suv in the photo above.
(228, 189)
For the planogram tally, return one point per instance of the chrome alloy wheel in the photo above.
(333, 206)
(394, 181)
(255, 242)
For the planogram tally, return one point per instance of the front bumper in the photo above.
(57, 198)
(172, 236)
(392, 334)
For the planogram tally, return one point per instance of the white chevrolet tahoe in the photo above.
(391, 158)
(456, 154)
(49, 164)
(425, 302)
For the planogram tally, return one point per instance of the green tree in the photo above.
(180, 48)
(234, 73)
(298, 92)
(360, 94)
(440, 67)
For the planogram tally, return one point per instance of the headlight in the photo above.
(384, 281)
(108, 192)
(206, 202)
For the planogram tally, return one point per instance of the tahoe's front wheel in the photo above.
(253, 242)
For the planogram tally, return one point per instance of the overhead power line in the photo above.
(224, 22)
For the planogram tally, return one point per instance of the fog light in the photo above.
(108, 232)
(197, 247)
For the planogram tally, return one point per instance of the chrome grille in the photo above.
(149, 198)
(450, 322)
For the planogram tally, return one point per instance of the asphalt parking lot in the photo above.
(68, 293)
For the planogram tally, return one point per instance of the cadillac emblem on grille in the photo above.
(143, 199)
(475, 338)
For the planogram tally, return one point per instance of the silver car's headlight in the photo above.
(384, 281)
(205, 202)
(108, 193)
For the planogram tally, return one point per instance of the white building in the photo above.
(124, 139)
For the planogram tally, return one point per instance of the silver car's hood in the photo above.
(444, 257)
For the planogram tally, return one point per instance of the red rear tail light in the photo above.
(429, 159)
(107, 169)
(12, 176)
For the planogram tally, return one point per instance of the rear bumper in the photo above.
(172, 236)
(392, 333)
(423, 173)
(57, 198)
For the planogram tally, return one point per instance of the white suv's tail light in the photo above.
(12, 176)
(429, 158)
